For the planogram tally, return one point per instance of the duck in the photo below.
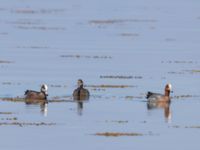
(158, 98)
(35, 96)
(81, 93)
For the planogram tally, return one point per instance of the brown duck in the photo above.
(156, 97)
(81, 93)
(35, 96)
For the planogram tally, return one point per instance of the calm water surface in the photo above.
(56, 42)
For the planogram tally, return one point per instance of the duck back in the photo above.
(29, 94)
(81, 94)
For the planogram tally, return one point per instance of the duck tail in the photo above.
(148, 94)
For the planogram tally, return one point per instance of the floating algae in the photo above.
(86, 56)
(9, 119)
(6, 113)
(120, 77)
(129, 34)
(117, 121)
(186, 127)
(13, 99)
(185, 96)
(119, 21)
(110, 86)
(116, 134)
(5, 62)
(21, 124)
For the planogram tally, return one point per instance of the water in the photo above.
(59, 42)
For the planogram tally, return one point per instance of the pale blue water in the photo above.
(139, 38)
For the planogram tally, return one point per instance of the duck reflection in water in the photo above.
(43, 106)
(163, 105)
(34, 98)
(44, 109)
(80, 95)
(156, 100)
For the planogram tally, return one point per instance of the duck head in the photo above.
(80, 83)
(168, 89)
(44, 89)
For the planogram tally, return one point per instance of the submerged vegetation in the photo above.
(118, 21)
(116, 134)
(186, 127)
(6, 113)
(5, 62)
(110, 86)
(86, 56)
(120, 77)
(117, 121)
(22, 124)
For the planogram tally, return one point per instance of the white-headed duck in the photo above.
(34, 96)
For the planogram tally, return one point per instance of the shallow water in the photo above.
(148, 44)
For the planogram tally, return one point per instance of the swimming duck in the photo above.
(34, 96)
(156, 97)
(81, 93)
